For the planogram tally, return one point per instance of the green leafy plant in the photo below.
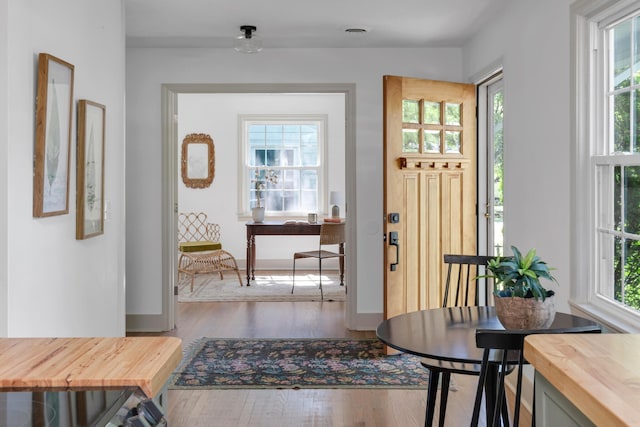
(519, 276)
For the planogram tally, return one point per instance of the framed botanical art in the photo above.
(90, 181)
(54, 106)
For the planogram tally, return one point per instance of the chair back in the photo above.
(193, 227)
(510, 343)
(463, 287)
(332, 234)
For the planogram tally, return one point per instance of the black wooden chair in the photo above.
(462, 288)
(510, 343)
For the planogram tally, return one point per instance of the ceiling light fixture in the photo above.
(247, 42)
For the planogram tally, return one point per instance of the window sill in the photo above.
(613, 322)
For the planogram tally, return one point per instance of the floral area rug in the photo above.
(214, 363)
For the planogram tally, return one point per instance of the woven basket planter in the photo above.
(525, 313)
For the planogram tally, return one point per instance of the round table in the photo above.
(449, 334)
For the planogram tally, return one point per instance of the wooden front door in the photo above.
(429, 187)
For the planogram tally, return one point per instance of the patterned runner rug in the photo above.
(215, 363)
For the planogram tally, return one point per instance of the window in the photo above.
(608, 135)
(283, 164)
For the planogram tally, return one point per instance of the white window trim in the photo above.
(586, 128)
(243, 198)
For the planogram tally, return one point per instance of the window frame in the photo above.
(590, 131)
(246, 120)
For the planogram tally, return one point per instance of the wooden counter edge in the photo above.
(573, 390)
(77, 363)
(156, 384)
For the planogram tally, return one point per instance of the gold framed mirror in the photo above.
(198, 160)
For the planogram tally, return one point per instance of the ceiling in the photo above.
(304, 23)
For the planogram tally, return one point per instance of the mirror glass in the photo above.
(198, 160)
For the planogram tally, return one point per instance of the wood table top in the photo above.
(75, 363)
(598, 373)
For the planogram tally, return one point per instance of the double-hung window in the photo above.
(283, 164)
(607, 142)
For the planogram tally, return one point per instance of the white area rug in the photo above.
(266, 287)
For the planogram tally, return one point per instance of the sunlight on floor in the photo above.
(302, 280)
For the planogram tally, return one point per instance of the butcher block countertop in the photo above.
(598, 373)
(73, 363)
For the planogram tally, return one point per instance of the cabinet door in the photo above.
(553, 409)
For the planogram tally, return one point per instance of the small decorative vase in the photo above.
(525, 313)
(257, 214)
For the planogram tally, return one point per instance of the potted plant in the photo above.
(520, 299)
(261, 178)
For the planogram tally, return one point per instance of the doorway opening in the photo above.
(170, 203)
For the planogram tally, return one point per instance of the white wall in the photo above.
(531, 40)
(217, 115)
(4, 160)
(147, 69)
(55, 285)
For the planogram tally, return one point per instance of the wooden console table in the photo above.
(279, 228)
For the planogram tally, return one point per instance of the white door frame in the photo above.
(169, 108)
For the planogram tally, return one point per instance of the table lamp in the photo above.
(335, 199)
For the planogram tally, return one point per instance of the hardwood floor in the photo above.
(308, 407)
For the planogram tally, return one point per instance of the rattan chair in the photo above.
(330, 234)
(200, 248)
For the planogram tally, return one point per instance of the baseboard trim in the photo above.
(526, 399)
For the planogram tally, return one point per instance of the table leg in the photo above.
(434, 377)
(250, 258)
(341, 249)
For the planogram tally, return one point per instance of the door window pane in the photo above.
(410, 111)
(452, 139)
(432, 141)
(452, 114)
(410, 142)
(432, 113)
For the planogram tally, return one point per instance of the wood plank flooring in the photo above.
(308, 407)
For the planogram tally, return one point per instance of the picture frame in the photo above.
(198, 160)
(90, 169)
(52, 150)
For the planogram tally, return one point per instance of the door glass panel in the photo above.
(432, 113)
(410, 111)
(452, 114)
(495, 168)
(452, 139)
(410, 141)
(432, 141)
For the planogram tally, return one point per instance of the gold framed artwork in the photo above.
(90, 181)
(198, 160)
(54, 107)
